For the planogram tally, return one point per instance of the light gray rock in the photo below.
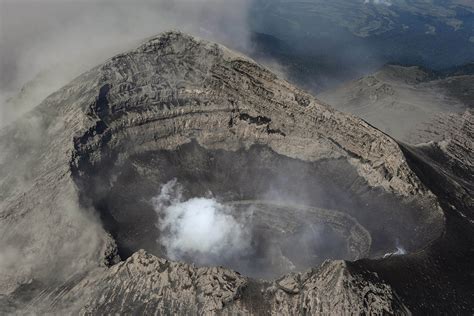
(149, 285)
(401, 100)
(194, 102)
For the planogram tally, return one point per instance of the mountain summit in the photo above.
(327, 202)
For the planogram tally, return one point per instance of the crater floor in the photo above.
(303, 212)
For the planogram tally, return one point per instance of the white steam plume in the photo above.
(200, 230)
(400, 250)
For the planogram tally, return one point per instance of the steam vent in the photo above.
(184, 178)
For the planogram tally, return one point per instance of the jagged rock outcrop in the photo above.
(86, 162)
(150, 285)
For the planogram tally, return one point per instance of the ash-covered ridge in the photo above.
(79, 171)
(412, 95)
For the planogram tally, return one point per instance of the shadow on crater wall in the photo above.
(121, 192)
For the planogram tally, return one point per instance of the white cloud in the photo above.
(56, 41)
(384, 2)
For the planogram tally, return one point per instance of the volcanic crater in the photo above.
(179, 108)
(299, 182)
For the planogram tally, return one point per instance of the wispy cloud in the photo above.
(384, 2)
(54, 41)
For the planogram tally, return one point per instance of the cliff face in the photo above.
(79, 171)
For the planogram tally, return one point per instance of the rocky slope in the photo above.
(434, 278)
(149, 285)
(78, 172)
(400, 100)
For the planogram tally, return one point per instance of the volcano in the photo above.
(340, 217)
